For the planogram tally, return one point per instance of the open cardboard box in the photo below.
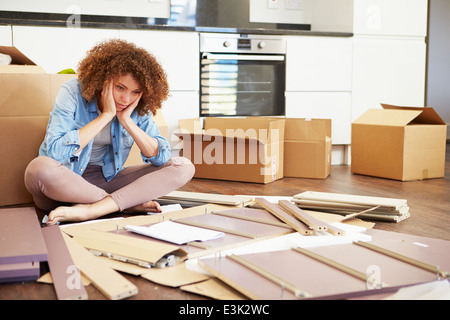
(236, 149)
(400, 143)
(25, 104)
(19, 62)
(26, 99)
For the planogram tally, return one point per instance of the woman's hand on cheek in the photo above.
(108, 103)
(125, 114)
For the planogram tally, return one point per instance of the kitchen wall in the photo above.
(438, 74)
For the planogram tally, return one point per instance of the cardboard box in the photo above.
(307, 148)
(19, 63)
(236, 149)
(400, 143)
(25, 103)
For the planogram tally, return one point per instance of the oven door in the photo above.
(242, 85)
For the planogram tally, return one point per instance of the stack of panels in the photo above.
(373, 208)
(191, 199)
(22, 246)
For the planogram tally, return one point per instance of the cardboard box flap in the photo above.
(276, 131)
(190, 126)
(245, 128)
(307, 129)
(193, 128)
(16, 56)
(427, 116)
(387, 117)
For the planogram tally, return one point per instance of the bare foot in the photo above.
(150, 206)
(62, 214)
(82, 212)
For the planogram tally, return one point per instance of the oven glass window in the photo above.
(235, 87)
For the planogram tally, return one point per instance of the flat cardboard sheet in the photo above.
(174, 276)
(215, 289)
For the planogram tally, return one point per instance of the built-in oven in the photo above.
(242, 75)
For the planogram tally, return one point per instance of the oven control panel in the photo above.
(238, 43)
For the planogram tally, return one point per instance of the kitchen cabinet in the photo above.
(389, 53)
(387, 70)
(5, 36)
(390, 17)
(180, 105)
(318, 63)
(319, 81)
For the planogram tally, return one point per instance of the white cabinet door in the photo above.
(318, 63)
(178, 53)
(180, 105)
(58, 48)
(323, 105)
(390, 17)
(387, 70)
(5, 36)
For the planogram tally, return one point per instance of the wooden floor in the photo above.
(429, 202)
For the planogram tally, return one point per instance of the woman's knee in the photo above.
(39, 169)
(184, 166)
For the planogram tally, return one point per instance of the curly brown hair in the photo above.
(113, 58)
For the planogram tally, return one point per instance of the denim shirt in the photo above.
(71, 112)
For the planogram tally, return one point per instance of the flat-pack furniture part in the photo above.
(340, 271)
(369, 207)
(112, 284)
(65, 274)
(22, 246)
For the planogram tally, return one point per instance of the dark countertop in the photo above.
(100, 22)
